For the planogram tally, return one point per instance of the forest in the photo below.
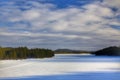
(24, 53)
(109, 51)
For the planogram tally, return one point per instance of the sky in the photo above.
(54, 24)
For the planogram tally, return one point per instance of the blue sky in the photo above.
(72, 24)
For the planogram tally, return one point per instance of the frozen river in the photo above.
(62, 67)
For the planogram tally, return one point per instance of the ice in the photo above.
(52, 67)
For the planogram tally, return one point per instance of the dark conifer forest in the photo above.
(24, 53)
(109, 51)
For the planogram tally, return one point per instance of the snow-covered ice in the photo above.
(58, 65)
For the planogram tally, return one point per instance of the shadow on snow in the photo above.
(73, 76)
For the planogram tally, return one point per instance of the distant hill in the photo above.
(70, 51)
(110, 51)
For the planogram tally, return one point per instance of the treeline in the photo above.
(109, 51)
(24, 53)
(69, 51)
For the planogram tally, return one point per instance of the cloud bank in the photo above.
(35, 24)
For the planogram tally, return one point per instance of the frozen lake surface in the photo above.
(62, 67)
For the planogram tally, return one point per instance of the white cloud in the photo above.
(114, 3)
(33, 35)
(30, 15)
(88, 25)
